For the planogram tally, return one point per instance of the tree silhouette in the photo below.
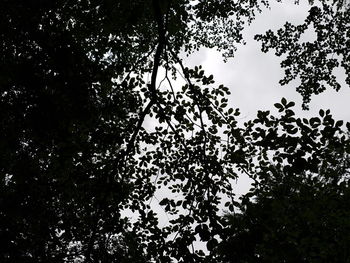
(75, 153)
(297, 208)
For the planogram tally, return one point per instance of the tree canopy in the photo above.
(78, 81)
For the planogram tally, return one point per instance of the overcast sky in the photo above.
(253, 76)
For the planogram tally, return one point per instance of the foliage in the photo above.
(60, 135)
(297, 209)
(75, 153)
(313, 63)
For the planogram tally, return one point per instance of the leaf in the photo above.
(165, 201)
(284, 102)
(290, 104)
(315, 122)
(339, 123)
(321, 112)
(278, 106)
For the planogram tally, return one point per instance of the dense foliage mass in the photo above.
(80, 79)
(297, 209)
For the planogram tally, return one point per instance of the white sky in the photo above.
(253, 76)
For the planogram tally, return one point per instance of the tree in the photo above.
(313, 62)
(297, 208)
(64, 122)
(74, 150)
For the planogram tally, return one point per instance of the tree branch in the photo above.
(152, 86)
